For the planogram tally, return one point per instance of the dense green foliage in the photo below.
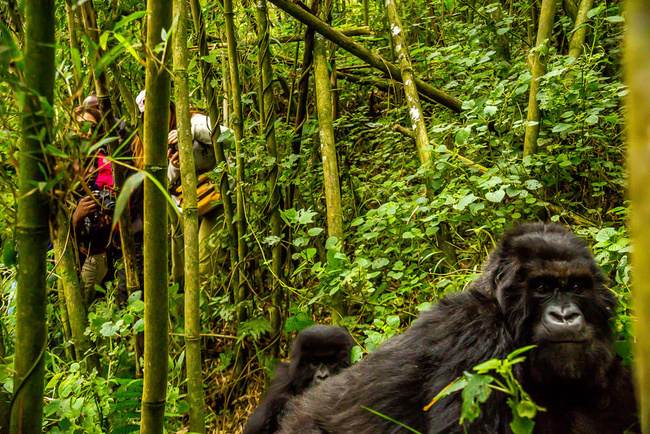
(388, 265)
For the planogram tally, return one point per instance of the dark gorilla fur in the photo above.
(539, 286)
(317, 353)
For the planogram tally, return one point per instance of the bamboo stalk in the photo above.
(580, 29)
(546, 19)
(328, 153)
(268, 121)
(190, 223)
(156, 124)
(32, 219)
(74, 300)
(238, 126)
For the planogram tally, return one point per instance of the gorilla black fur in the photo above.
(317, 353)
(539, 286)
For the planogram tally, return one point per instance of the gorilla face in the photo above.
(553, 295)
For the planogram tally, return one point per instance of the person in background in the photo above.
(211, 255)
(92, 216)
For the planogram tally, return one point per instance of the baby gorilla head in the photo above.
(318, 353)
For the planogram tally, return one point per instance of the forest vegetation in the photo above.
(372, 153)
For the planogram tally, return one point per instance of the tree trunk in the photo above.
(213, 109)
(546, 19)
(417, 119)
(190, 223)
(328, 154)
(376, 61)
(268, 121)
(580, 29)
(637, 53)
(74, 300)
(32, 219)
(156, 126)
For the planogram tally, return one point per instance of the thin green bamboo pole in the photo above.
(580, 28)
(546, 19)
(268, 121)
(241, 292)
(32, 221)
(328, 152)
(156, 122)
(74, 300)
(190, 223)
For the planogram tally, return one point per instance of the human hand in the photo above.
(86, 206)
(173, 157)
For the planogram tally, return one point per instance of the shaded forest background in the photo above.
(410, 232)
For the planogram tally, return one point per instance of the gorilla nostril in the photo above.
(573, 317)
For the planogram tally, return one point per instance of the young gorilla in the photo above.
(540, 286)
(317, 353)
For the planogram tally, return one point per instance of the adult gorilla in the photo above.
(540, 286)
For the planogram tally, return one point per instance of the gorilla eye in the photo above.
(540, 287)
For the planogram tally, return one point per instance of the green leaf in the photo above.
(103, 40)
(127, 19)
(519, 351)
(130, 185)
(314, 231)
(592, 119)
(520, 425)
(526, 409)
(490, 365)
(615, 19)
(379, 263)
(305, 216)
(475, 392)
(489, 110)
(462, 135)
(464, 201)
(561, 127)
(533, 184)
(393, 321)
(127, 45)
(496, 196)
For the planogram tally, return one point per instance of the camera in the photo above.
(106, 199)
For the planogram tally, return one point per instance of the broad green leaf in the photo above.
(496, 196)
(130, 185)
